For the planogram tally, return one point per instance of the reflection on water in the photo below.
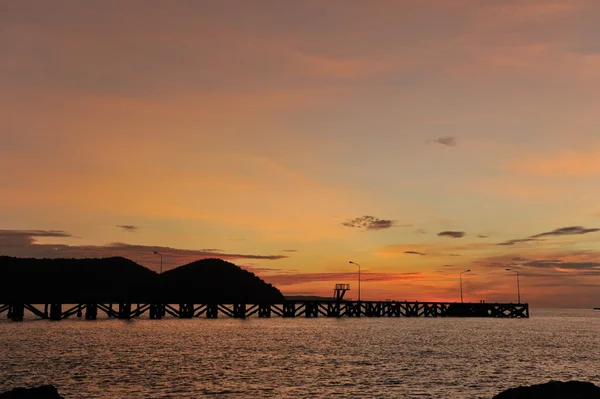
(285, 358)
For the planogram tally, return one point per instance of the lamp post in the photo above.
(461, 292)
(518, 285)
(158, 253)
(358, 278)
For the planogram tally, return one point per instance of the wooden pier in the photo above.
(288, 309)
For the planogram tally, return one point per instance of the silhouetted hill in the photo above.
(111, 280)
(218, 281)
(73, 280)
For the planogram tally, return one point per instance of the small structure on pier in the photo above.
(340, 290)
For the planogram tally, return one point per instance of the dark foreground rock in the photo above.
(43, 392)
(553, 390)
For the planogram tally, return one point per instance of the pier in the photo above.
(287, 309)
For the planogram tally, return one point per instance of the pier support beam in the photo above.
(91, 311)
(333, 309)
(353, 309)
(311, 309)
(125, 310)
(16, 311)
(212, 311)
(239, 310)
(186, 310)
(157, 311)
(264, 310)
(373, 309)
(55, 311)
(289, 310)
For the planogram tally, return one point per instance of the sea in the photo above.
(300, 358)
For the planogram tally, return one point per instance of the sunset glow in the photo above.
(419, 139)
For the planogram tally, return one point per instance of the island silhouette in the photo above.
(111, 280)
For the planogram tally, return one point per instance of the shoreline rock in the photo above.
(43, 392)
(553, 390)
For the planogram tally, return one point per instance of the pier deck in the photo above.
(289, 309)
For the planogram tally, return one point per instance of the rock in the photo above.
(43, 392)
(553, 390)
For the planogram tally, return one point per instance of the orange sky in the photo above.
(265, 132)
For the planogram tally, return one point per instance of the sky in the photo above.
(417, 139)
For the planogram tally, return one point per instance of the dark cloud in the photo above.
(370, 223)
(452, 234)
(414, 253)
(128, 227)
(563, 231)
(560, 264)
(22, 243)
(448, 141)
(518, 241)
(10, 239)
(567, 231)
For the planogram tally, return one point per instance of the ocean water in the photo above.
(300, 358)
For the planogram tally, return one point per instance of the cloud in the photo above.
(563, 231)
(452, 234)
(414, 253)
(301, 278)
(566, 231)
(289, 250)
(448, 141)
(421, 231)
(128, 227)
(550, 264)
(481, 236)
(23, 243)
(438, 250)
(560, 264)
(370, 223)
(15, 238)
(518, 241)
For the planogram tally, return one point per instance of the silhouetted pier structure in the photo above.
(288, 309)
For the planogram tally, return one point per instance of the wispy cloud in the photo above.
(300, 278)
(562, 231)
(553, 264)
(448, 141)
(289, 250)
(567, 231)
(414, 253)
(452, 234)
(371, 223)
(128, 227)
(23, 243)
(518, 241)
(482, 236)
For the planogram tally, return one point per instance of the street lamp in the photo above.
(358, 278)
(461, 292)
(518, 285)
(158, 253)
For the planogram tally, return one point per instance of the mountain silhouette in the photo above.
(215, 280)
(117, 279)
